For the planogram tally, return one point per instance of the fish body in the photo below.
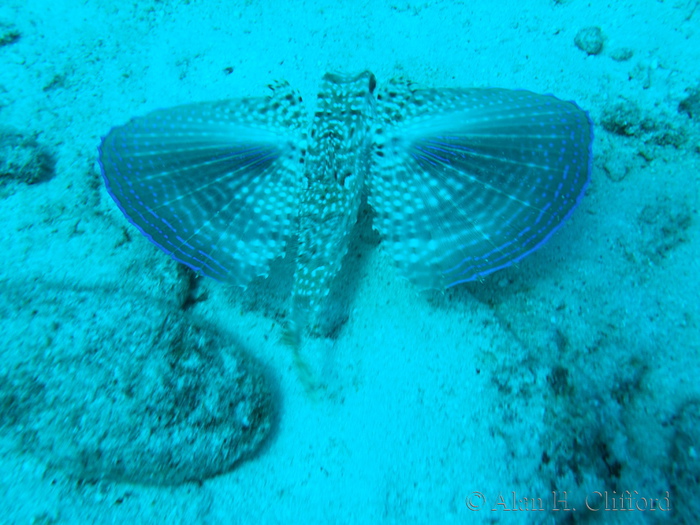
(334, 178)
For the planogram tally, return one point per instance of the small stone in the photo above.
(615, 168)
(590, 40)
(23, 159)
(623, 118)
(691, 104)
(646, 154)
(685, 463)
(8, 34)
(642, 72)
(670, 136)
(622, 54)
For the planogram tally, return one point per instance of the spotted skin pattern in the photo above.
(463, 182)
(338, 166)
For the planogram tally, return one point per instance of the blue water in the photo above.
(561, 388)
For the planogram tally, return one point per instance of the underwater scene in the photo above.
(383, 261)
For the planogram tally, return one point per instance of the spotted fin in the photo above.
(468, 181)
(215, 185)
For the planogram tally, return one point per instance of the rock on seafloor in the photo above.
(23, 159)
(690, 105)
(685, 465)
(590, 40)
(108, 386)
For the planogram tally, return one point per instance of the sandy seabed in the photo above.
(568, 381)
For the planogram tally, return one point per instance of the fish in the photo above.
(462, 182)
